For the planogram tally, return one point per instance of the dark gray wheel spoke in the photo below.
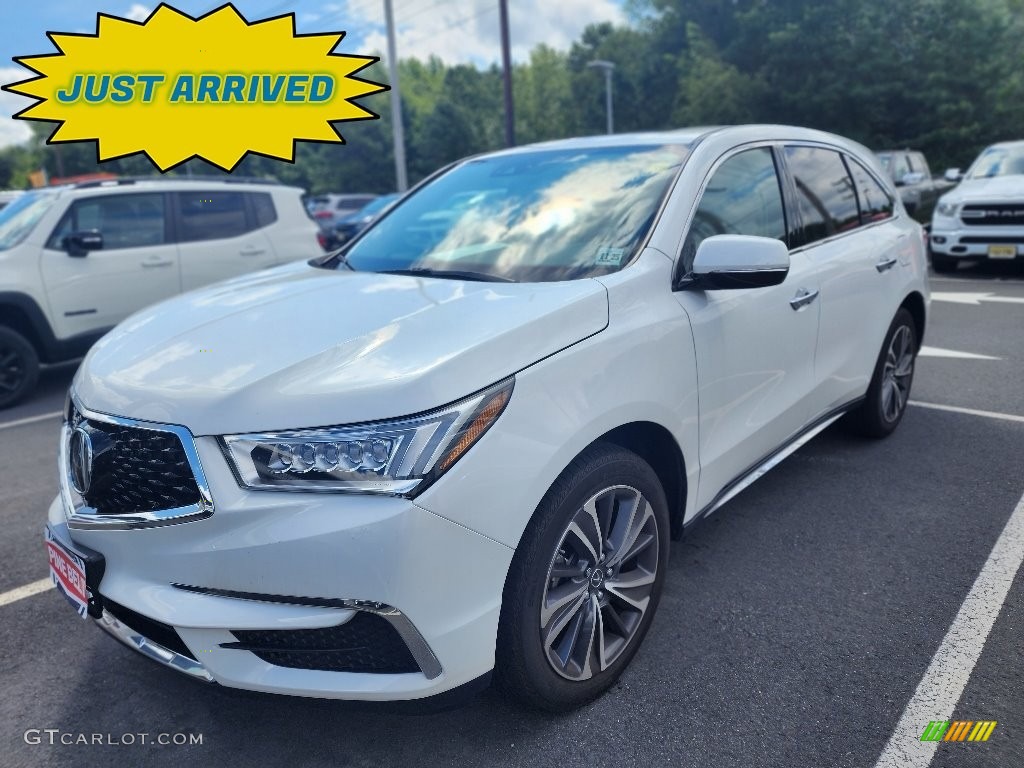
(642, 542)
(615, 620)
(599, 583)
(637, 577)
(629, 600)
(563, 600)
(589, 540)
(567, 571)
(640, 515)
(567, 641)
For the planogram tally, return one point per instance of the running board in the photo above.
(773, 460)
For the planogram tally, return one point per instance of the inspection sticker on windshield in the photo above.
(176, 87)
(609, 257)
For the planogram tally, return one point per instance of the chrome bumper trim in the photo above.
(137, 642)
(418, 646)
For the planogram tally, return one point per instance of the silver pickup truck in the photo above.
(918, 189)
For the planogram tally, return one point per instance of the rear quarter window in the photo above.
(875, 203)
(825, 193)
(263, 208)
(211, 215)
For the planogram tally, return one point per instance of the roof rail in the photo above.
(124, 180)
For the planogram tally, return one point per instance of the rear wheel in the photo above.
(886, 400)
(19, 367)
(585, 581)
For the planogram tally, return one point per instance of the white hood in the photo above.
(995, 189)
(299, 346)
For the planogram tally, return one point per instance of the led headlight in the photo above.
(946, 209)
(388, 457)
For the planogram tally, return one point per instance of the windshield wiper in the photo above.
(449, 274)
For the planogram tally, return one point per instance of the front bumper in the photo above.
(296, 565)
(952, 239)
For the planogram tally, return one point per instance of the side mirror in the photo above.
(738, 261)
(79, 244)
(912, 178)
(953, 174)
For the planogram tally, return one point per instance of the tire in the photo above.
(19, 367)
(942, 264)
(889, 391)
(538, 661)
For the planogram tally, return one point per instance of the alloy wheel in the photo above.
(897, 373)
(599, 583)
(12, 370)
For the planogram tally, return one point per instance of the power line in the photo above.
(275, 9)
(423, 10)
(454, 25)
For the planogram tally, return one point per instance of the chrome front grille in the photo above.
(993, 214)
(119, 472)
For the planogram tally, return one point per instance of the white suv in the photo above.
(77, 260)
(464, 442)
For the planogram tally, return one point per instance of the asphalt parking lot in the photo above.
(796, 625)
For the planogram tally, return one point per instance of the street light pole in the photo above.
(397, 130)
(608, 68)
(506, 63)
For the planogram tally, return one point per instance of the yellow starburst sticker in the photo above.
(176, 87)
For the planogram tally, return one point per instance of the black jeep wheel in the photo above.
(19, 367)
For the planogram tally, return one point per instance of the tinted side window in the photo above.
(125, 221)
(263, 208)
(353, 203)
(875, 203)
(211, 215)
(743, 197)
(824, 191)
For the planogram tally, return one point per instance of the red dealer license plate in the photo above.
(67, 570)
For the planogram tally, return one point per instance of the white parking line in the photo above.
(946, 677)
(29, 420)
(969, 411)
(927, 351)
(25, 591)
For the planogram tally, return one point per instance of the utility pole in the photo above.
(506, 63)
(397, 130)
(608, 68)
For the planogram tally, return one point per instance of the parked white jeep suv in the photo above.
(464, 442)
(76, 260)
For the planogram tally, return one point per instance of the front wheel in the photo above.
(585, 581)
(889, 391)
(19, 367)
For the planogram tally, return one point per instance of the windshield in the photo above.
(998, 161)
(885, 160)
(19, 218)
(538, 216)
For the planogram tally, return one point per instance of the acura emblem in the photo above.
(81, 460)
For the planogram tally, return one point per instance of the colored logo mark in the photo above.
(958, 730)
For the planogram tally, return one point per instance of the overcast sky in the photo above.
(455, 30)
